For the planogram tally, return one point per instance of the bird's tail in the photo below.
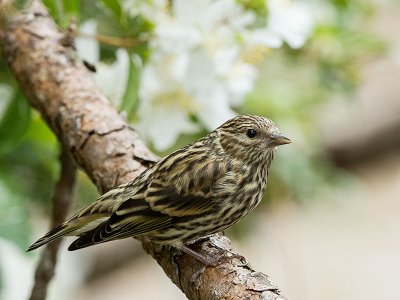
(52, 235)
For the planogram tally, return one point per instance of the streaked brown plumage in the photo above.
(198, 190)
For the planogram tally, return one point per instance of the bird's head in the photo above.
(250, 138)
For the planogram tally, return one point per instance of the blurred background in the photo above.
(327, 72)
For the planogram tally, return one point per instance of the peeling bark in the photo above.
(62, 89)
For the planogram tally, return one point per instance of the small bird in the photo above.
(200, 189)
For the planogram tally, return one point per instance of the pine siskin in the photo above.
(200, 189)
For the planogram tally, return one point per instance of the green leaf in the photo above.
(114, 6)
(51, 6)
(15, 122)
(54, 8)
(13, 215)
(71, 7)
(257, 6)
(62, 11)
(131, 96)
(39, 132)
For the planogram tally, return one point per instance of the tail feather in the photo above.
(89, 238)
(74, 226)
(98, 235)
(81, 242)
(51, 236)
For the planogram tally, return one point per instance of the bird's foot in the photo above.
(216, 261)
(207, 262)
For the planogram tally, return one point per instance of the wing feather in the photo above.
(166, 197)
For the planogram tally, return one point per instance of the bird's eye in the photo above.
(251, 133)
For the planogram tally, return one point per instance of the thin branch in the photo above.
(109, 150)
(112, 40)
(62, 199)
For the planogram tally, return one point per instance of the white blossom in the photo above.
(195, 68)
(202, 60)
(111, 78)
(150, 9)
(291, 21)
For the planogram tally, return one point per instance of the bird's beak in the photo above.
(279, 139)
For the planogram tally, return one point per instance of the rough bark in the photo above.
(62, 89)
(62, 200)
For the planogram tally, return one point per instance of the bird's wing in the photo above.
(185, 186)
(186, 190)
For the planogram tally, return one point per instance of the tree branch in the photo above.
(62, 199)
(43, 60)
